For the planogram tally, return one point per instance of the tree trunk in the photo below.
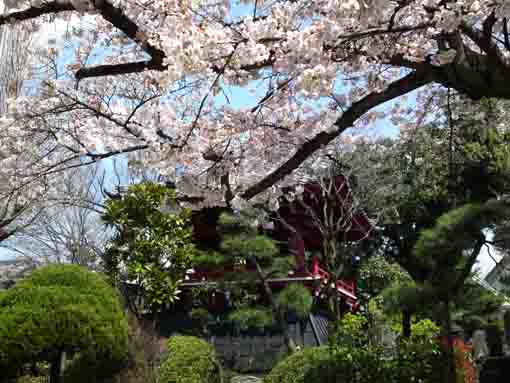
(406, 323)
(57, 368)
(289, 343)
(450, 374)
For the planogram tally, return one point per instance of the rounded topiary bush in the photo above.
(61, 308)
(301, 367)
(190, 360)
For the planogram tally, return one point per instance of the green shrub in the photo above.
(301, 367)
(190, 360)
(90, 368)
(61, 308)
(295, 298)
(252, 318)
(352, 358)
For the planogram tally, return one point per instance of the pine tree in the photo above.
(242, 244)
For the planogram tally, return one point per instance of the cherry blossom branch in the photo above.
(382, 31)
(396, 89)
(111, 14)
(34, 12)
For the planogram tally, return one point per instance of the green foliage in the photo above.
(402, 295)
(236, 224)
(300, 366)
(281, 266)
(200, 314)
(156, 247)
(190, 360)
(351, 332)
(85, 368)
(241, 242)
(201, 318)
(419, 359)
(451, 247)
(352, 357)
(209, 258)
(376, 274)
(473, 308)
(325, 365)
(246, 247)
(424, 331)
(295, 298)
(61, 308)
(252, 317)
(449, 236)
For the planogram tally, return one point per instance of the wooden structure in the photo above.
(294, 226)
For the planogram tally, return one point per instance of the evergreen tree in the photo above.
(242, 244)
(439, 167)
(450, 250)
(61, 310)
(152, 247)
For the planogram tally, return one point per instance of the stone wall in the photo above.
(259, 353)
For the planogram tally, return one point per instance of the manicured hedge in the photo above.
(61, 308)
(190, 360)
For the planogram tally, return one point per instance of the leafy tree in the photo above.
(439, 166)
(152, 248)
(376, 274)
(57, 310)
(475, 307)
(243, 244)
(450, 250)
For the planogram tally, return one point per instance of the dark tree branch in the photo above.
(468, 266)
(119, 69)
(33, 12)
(483, 39)
(111, 14)
(505, 34)
(396, 89)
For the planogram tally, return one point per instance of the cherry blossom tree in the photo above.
(164, 82)
(17, 208)
(69, 229)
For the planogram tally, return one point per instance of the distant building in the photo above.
(495, 276)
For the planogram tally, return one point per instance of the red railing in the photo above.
(347, 288)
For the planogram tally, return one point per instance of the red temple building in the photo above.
(295, 228)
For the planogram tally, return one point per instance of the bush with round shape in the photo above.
(61, 308)
(190, 360)
(300, 366)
